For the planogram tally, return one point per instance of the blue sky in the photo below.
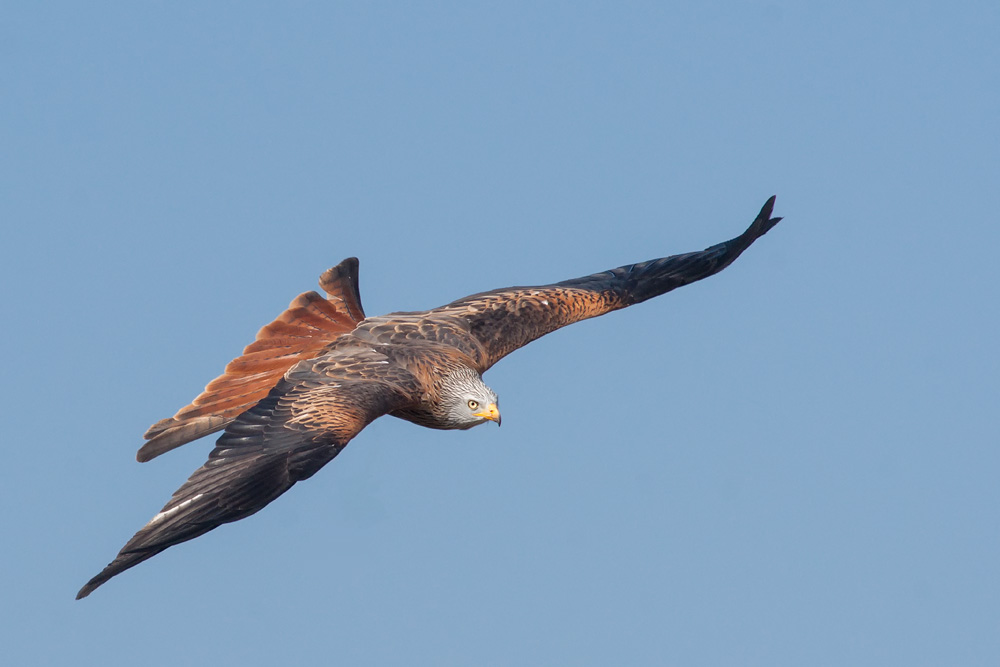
(793, 462)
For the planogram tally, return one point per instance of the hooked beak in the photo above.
(491, 412)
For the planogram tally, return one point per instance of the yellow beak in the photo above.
(490, 413)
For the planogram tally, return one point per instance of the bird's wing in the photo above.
(301, 332)
(503, 320)
(303, 423)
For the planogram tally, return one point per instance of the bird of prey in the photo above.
(322, 371)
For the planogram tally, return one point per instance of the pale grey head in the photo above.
(466, 401)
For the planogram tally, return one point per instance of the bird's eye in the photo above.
(473, 405)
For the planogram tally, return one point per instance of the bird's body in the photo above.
(322, 371)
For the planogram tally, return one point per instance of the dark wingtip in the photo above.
(764, 222)
(123, 561)
(88, 589)
(100, 579)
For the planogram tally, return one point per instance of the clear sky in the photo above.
(792, 463)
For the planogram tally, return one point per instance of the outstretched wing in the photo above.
(503, 320)
(301, 332)
(305, 421)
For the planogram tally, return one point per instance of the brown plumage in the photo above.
(322, 371)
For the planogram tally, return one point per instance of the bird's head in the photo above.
(467, 401)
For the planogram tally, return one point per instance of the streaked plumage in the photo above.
(322, 371)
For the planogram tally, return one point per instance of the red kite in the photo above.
(322, 371)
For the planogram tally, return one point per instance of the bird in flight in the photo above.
(322, 371)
